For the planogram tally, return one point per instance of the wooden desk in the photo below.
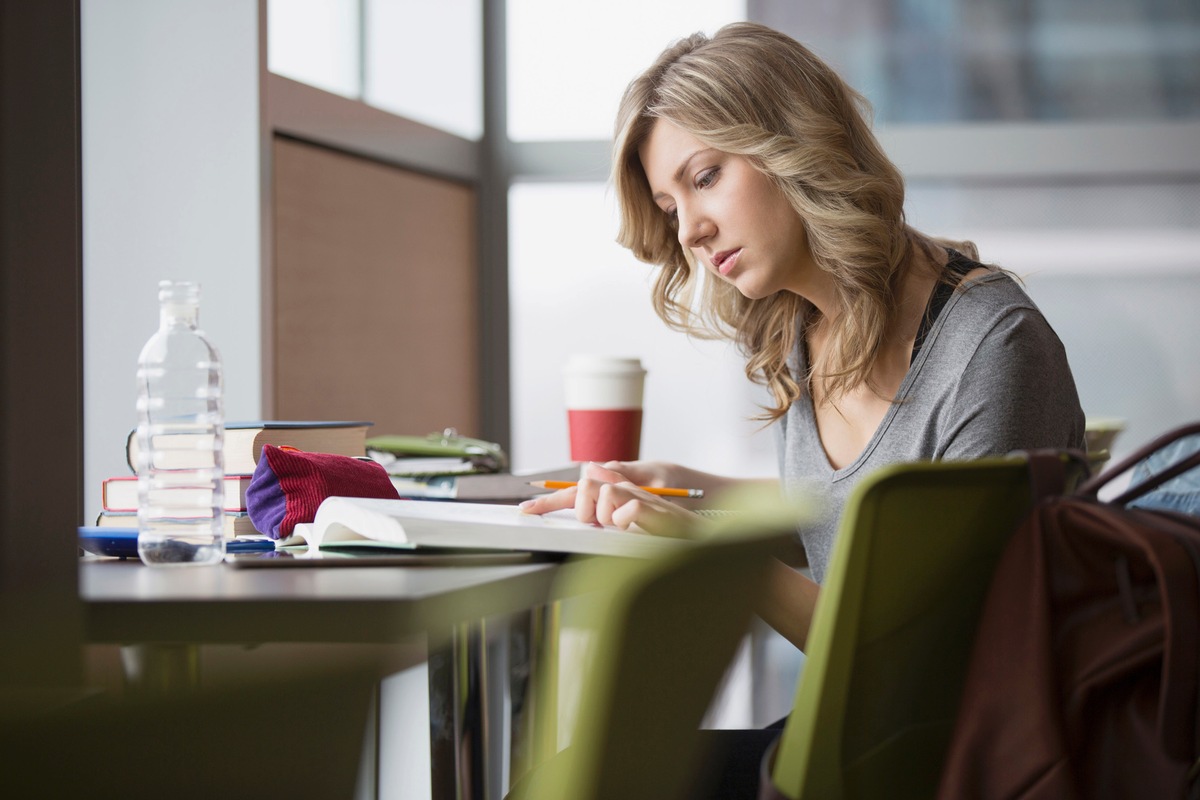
(162, 616)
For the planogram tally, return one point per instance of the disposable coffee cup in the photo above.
(604, 407)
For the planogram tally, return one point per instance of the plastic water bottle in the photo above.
(180, 437)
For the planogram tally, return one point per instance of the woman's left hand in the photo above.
(608, 498)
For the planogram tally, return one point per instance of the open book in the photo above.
(423, 523)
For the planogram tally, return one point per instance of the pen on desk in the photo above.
(658, 490)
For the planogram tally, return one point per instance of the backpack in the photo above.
(1083, 677)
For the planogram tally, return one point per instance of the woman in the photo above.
(747, 173)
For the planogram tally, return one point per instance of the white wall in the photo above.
(170, 190)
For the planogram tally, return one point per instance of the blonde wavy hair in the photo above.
(757, 93)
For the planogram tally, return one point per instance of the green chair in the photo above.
(666, 630)
(894, 626)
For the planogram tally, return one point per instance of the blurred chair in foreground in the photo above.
(295, 737)
(894, 626)
(667, 629)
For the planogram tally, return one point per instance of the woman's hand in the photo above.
(608, 497)
(651, 473)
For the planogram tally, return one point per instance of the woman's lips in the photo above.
(725, 262)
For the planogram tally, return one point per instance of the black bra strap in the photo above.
(958, 265)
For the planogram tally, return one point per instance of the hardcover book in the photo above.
(120, 493)
(244, 440)
(236, 523)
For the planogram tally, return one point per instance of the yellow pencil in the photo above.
(658, 490)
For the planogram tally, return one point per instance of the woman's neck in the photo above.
(918, 275)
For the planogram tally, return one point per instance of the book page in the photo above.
(477, 525)
(488, 513)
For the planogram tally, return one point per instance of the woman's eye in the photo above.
(707, 178)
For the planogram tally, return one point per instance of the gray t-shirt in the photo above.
(990, 378)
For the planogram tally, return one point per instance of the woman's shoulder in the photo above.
(990, 292)
(989, 305)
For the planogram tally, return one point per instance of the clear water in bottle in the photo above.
(180, 437)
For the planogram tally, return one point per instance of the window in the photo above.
(416, 59)
(424, 61)
(316, 42)
(979, 60)
(569, 62)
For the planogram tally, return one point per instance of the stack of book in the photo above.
(429, 466)
(450, 466)
(445, 453)
(243, 445)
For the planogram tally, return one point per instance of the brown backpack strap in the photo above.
(1051, 472)
(1154, 481)
(1193, 552)
(1092, 487)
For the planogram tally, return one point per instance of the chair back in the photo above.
(894, 626)
(666, 630)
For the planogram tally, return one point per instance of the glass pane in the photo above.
(568, 63)
(315, 42)
(573, 289)
(919, 61)
(424, 61)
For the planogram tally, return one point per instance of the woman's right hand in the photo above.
(650, 473)
(607, 497)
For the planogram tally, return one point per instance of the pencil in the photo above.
(658, 490)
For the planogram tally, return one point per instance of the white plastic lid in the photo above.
(586, 363)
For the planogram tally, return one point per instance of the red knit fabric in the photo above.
(308, 478)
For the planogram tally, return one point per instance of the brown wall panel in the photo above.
(374, 294)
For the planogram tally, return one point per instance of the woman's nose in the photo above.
(694, 229)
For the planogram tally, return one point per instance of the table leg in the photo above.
(518, 648)
(493, 704)
(457, 737)
(502, 637)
